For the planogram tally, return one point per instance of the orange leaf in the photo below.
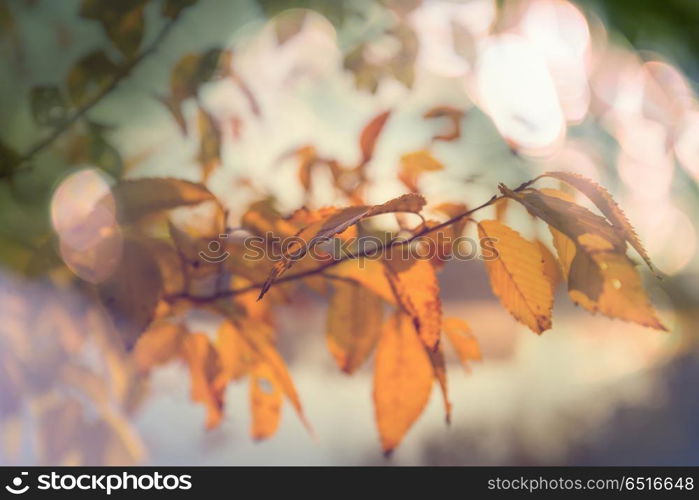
(402, 380)
(459, 334)
(552, 268)
(203, 367)
(264, 351)
(370, 134)
(439, 369)
(158, 344)
(416, 289)
(337, 222)
(413, 165)
(265, 402)
(517, 276)
(354, 325)
(366, 272)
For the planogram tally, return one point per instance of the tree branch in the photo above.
(320, 269)
(96, 99)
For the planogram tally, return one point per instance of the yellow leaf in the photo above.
(609, 283)
(606, 204)
(264, 351)
(416, 289)
(159, 344)
(464, 342)
(353, 326)
(517, 276)
(552, 268)
(402, 380)
(202, 360)
(265, 402)
(413, 165)
(235, 355)
(367, 272)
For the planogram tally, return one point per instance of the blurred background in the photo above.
(603, 89)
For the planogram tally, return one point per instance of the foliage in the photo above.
(383, 300)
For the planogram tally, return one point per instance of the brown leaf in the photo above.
(440, 374)
(517, 276)
(464, 342)
(454, 116)
(402, 380)
(140, 197)
(334, 224)
(576, 222)
(370, 134)
(606, 204)
(123, 22)
(416, 288)
(209, 156)
(132, 293)
(353, 326)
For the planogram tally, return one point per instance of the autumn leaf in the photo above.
(236, 356)
(606, 204)
(578, 223)
(462, 340)
(517, 276)
(265, 352)
(439, 369)
(209, 156)
(366, 272)
(353, 326)
(265, 402)
(552, 268)
(336, 223)
(160, 343)
(140, 197)
(403, 378)
(454, 116)
(132, 293)
(415, 286)
(370, 134)
(173, 8)
(413, 165)
(202, 360)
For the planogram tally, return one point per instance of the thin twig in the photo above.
(96, 99)
(320, 269)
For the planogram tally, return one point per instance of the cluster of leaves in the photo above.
(384, 300)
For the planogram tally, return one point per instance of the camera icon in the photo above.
(16, 487)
